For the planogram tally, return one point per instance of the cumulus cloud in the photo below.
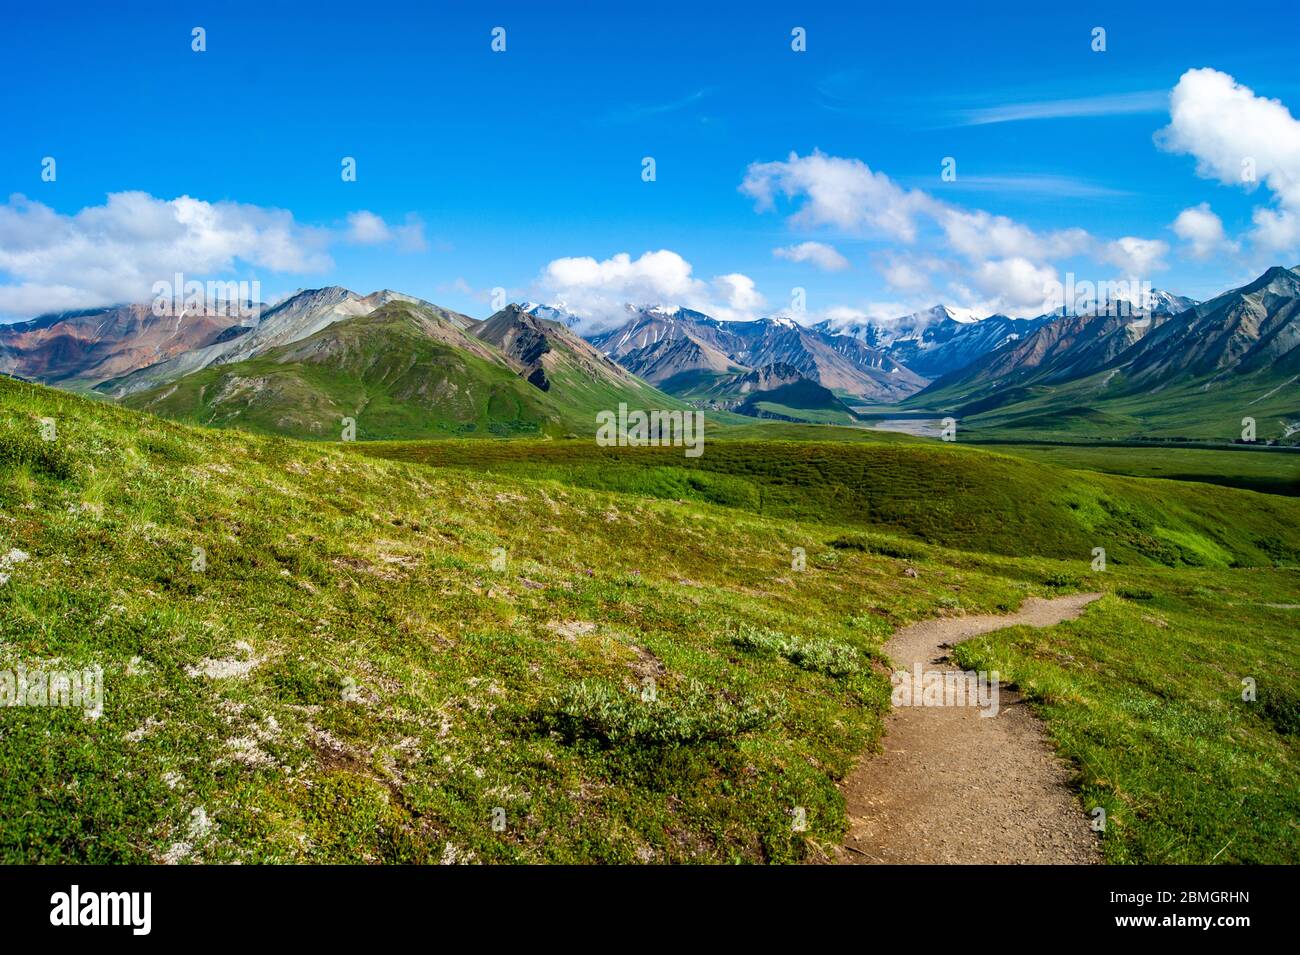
(1240, 138)
(985, 254)
(912, 273)
(739, 293)
(844, 193)
(1016, 284)
(1202, 230)
(979, 235)
(367, 228)
(1138, 257)
(597, 290)
(847, 194)
(903, 276)
(820, 254)
(115, 252)
(1276, 229)
(841, 315)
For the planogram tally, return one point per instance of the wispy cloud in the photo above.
(636, 113)
(1146, 101)
(1067, 187)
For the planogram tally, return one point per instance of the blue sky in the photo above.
(487, 167)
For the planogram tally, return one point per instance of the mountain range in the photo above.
(1195, 373)
(685, 352)
(405, 367)
(938, 340)
(79, 348)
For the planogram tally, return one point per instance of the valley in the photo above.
(431, 595)
(388, 644)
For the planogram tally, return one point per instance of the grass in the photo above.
(941, 494)
(391, 689)
(381, 370)
(382, 661)
(1145, 695)
(395, 379)
(1269, 472)
(1105, 405)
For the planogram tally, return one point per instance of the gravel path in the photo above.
(954, 787)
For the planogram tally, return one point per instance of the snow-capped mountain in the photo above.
(883, 332)
(1236, 353)
(664, 343)
(1150, 302)
(936, 341)
(556, 312)
(1161, 302)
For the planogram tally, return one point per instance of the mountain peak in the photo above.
(964, 315)
(554, 312)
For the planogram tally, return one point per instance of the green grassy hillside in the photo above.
(802, 400)
(1105, 405)
(1144, 694)
(942, 494)
(1254, 469)
(383, 370)
(313, 655)
(399, 372)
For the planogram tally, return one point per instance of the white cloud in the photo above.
(115, 252)
(1200, 228)
(1007, 264)
(844, 193)
(597, 290)
(367, 228)
(1017, 285)
(903, 276)
(1148, 101)
(29, 299)
(846, 314)
(1040, 184)
(824, 256)
(912, 274)
(841, 315)
(739, 293)
(1240, 138)
(654, 277)
(1138, 257)
(1276, 229)
(980, 235)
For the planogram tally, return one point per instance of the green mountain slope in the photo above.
(567, 368)
(313, 655)
(1195, 375)
(398, 372)
(401, 371)
(775, 391)
(797, 401)
(947, 495)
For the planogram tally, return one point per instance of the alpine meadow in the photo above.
(636, 438)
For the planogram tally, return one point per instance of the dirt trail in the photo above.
(954, 787)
